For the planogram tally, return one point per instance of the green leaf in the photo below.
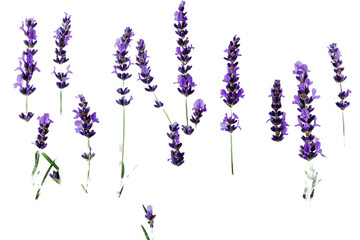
(122, 169)
(42, 182)
(146, 235)
(37, 157)
(50, 161)
(122, 188)
(84, 188)
(144, 209)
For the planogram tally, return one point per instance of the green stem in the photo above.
(61, 102)
(187, 119)
(343, 121)
(26, 105)
(89, 159)
(123, 143)
(231, 148)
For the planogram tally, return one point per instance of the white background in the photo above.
(200, 199)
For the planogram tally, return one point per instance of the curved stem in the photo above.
(167, 116)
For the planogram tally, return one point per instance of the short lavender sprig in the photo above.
(84, 127)
(144, 75)
(233, 92)
(62, 36)
(43, 130)
(122, 65)
(335, 55)
(150, 217)
(27, 71)
(307, 121)
(185, 81)
(177, 157)
(277, 117)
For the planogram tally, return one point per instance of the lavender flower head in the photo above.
(44, 123)
(62, 36)
(55, 176)
(149, 215)
(122, 64)
(27, 65)
(185, 81)
(306, 120)
(199, 108)
(335, 55)
(233, 92)
(230, 124)
(84, 125)
(177, 157)
(277, 117)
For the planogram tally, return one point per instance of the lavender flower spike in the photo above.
(44, 122)
(122, 65)
(145, 74)
(84, 127)
(27, 65)
(335, 55)
(233, 92)
(185, 80)
(177, 157)
(307, 122)
(62, 36)
(277, 117)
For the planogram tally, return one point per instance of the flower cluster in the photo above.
(122, 64)
(233, 92)
(277, 117)
(55, 176)
(177, 157)
(230, 124)
(306, 120)
(84, 125)
(335, 55)
(27, 65)
(199, 108)
(62, 36)
(184, 80)
(44, 123)
(149, 215)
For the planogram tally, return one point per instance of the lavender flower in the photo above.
(277, 117)
(122, 65)
(186, 84)
(306, 120)
(55, 176)
(145, 74)
(335, 55)
(44, 123)
(184, 79)
(177, 157)
(62, 36)
(149, 215)
(233, 92)
(84, 127)
(199, 108)
(27, 71)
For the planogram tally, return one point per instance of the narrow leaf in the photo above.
(122, 169)
(84, 188)
(37, 157)
(122, 188)
(144, 209)
(50, 161)
(146, 235)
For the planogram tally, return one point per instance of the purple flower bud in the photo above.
(177, 157)
(230, 124)
(55, 176)
(149, 215)
(199, 108)
(84, 125)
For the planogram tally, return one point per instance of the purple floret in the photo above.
(84, 125)
(199, 108)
